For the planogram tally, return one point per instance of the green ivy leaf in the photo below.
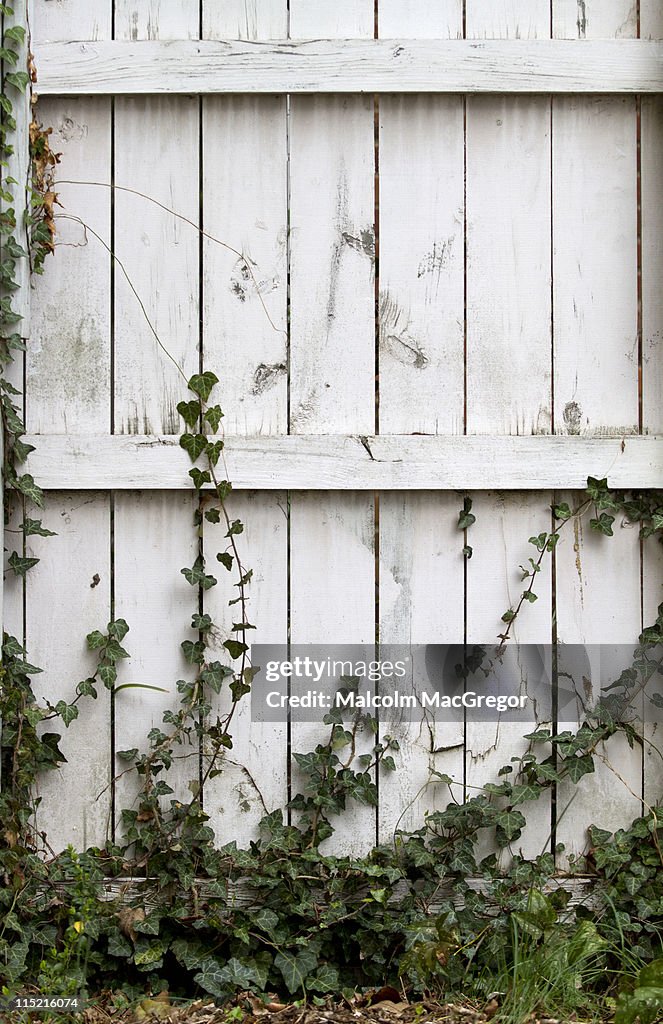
(202, 384)
(214, 675)
(200, 477)
(510, 823)
(213, 451)
(190, 412)
(193, 444)
(67, 712)
(203, 623)
(561, 511)
(296, 967)
(576, 767)
(234, 648)
(21, 565)
(212, 515)
(108, 675)
(465, 517)
(27, 486)
(33, 527)
(603, 524)
(197, 576)
(193, 652)
(226, 559)
(95, 639)
(114, 651)
(118, 628)
(213, 415)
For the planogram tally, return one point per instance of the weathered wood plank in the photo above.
(245, 286)
(651, 19)
(508, 373)
(345, 462)
(652, 263)
(598, 602)
(594, 19)
(67, 596)
(160, 256)
(595, 290)
(421, 309)
(508, 241)
(420, 19)
(245, 19)
(507, 19)
(499, 540)
(508, 265)
(69, 355)
(71, 19)
(332, 366)
(255, 772)
(332, 349)
(420, 322)
(244, 339)
(421, 580)
(156, 19)
(582, 890)
(331, 19)
(156, 153)
(353, 65)
(154, 540)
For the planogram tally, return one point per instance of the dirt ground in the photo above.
(382, 1007)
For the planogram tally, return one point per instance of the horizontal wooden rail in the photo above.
(348, 462)
(351, 65)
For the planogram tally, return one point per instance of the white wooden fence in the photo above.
(463, 275)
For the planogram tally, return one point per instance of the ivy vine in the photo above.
(307, 923)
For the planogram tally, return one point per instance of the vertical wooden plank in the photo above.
(17, 167)
(421, 264)
(154, 540)
(595, 19)
(332, 359)
(421, 603)
(156, 19)
(245, 19)
(245, 340)
(331, 19)
(160, 255)
(499, 540)
(595, 303)
(651, 19)
(430, 19)
(421, 317)
(332, 354)
(595, 250)
(598, 602)
(507, 19)
(68, 596)
(652, 557)
(508, 243)
(68, 389)
(71, 19)
(156, 153)
(651, 27)
(652, 263)
(508, 374)
(255, 771)
(69, 355)
(245, 296)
